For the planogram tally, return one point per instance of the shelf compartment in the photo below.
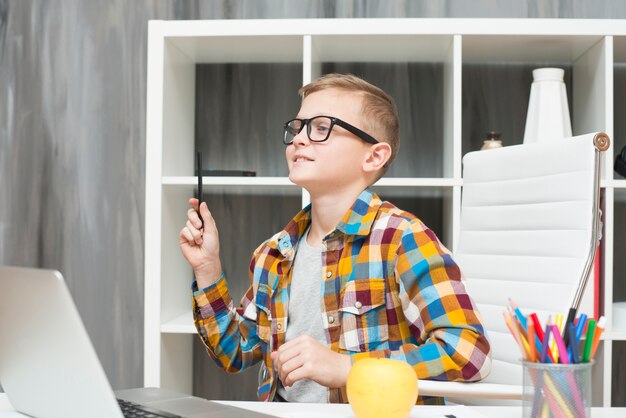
(509, 61)
(240, 111)
(489, 107)
(244, 220)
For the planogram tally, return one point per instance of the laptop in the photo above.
(49, 368)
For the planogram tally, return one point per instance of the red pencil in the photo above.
(539, 332)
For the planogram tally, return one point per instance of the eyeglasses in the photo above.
(318, 129)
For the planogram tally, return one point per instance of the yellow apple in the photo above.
(381, 388)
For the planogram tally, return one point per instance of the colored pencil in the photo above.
(540, 334)
(571, 317)
(580, 326)
(560, 345)
(518, 313)
(546, 342)
(573, 343)
(591, 328)
(531, 341)
(516, 335)
(558, 321)
(596, 336)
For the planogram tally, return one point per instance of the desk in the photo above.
(292, 410)
(344, 411)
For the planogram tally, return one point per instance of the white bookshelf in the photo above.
(591, 48)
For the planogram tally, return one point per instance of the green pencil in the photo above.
(591, 327)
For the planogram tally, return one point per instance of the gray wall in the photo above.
(72, 142)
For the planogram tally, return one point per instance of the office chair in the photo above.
(530, 226)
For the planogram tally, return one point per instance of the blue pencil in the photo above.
(580, 326)
(573, 343)
(520, 316)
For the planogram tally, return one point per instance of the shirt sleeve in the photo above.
(451, 344)
(228, 332)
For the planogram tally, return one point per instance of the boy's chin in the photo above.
(300, 180)
(309, 184)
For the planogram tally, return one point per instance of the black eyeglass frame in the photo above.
(333, 121)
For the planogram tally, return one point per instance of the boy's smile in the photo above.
(300, 158)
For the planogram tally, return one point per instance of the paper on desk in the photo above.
(457, 411)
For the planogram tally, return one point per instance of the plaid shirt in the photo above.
(390, 289)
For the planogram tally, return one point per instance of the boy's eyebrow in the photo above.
(299, 116)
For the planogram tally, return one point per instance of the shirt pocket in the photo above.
(363, 316)
(264, 316)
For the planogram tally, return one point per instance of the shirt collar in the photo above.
(358, 220)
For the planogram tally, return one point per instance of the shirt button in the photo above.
(358, 305)
(329, 274)
(279, 326)
(331, 319)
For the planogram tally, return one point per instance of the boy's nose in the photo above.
(301, 138)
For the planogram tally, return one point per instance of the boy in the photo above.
(349, 277)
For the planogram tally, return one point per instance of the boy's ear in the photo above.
(377, 157)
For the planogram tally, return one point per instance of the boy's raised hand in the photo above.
(201, 246)
(306, 358)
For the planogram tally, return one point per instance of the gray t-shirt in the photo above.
(305, 316)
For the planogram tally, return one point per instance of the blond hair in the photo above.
(380, 117)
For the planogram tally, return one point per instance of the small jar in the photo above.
(493, 140)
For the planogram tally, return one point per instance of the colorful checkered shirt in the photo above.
(390, 289)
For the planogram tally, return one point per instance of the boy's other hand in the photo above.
(201, 246)
(305, 358)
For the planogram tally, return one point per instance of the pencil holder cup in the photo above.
(557, 390)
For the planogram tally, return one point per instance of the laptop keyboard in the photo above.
(133, 410)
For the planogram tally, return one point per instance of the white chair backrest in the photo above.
(526, 230)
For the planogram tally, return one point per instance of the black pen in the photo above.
(199, 163)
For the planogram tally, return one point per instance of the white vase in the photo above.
(548, 113)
